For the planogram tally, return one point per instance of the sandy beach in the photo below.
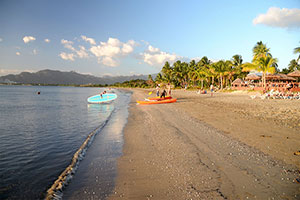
(228, 146)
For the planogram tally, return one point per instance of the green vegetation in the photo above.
(203, 73)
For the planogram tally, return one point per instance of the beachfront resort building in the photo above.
(279, 82)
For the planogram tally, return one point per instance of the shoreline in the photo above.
(166, 157)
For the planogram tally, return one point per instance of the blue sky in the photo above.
(137, 37)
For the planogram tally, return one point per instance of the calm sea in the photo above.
(39, 135)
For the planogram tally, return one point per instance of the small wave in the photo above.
(56, 190)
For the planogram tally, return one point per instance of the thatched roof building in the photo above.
(295, 73)
(252, 77)
(237, 81)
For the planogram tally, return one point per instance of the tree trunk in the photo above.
(264, 80)
(221, 82)
(201, 84)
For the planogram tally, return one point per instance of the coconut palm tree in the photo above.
(297, 50)
(177, 73)
(221, 69)
(293, 65)
(159, 78)
(237, 63)
(263, 64)
(202, 74)
(167, 72)
(260, 50)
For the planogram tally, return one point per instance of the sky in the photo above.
(122, 37)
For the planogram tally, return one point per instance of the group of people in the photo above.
(164, 93)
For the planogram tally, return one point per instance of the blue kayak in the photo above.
(104, 99)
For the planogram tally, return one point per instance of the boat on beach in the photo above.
(159, 98)
(104, 98)
(156, 101)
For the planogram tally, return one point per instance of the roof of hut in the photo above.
(284, 77)
(272, 77)
(252, 77)
(295, 73)
(237, 81)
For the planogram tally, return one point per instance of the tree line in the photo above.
(203, 73)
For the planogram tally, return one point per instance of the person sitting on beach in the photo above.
(163, 94)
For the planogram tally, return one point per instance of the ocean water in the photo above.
(58, 137)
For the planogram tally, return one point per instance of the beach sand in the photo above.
(228, 146)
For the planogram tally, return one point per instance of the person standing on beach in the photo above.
(157, 90)
(169, 89)
(104, 92)
(163, 94)
(211, 90)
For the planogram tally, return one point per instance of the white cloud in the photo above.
(27, 39)
(152, 49)
(34, 51)
(89, 40)
(276, 17)
(109, 52)
(47, 40)
(108, 61)
(68, 44)
(154, 56)
(82, 52)
(18, 53)
(1, 39)
(67, 56)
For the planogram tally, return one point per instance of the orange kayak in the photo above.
(157, 102)
(158, 98)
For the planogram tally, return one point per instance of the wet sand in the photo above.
(228, 146)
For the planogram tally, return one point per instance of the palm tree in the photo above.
(150, 80)
(204, 61)
(177, 73)
(293, 65)
(159, 78)
(222, 68)
(202, 74)
(260, 50)
(262, 64)
(297, 50)
(212, 72)
(167, 72)
(237, 63)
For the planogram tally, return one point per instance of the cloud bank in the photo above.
(27, 39)
(109, 52)
(67, 56)
(276, 17)
(89, 40)
(156, 57)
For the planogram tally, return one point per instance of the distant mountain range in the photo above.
(67, 78)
